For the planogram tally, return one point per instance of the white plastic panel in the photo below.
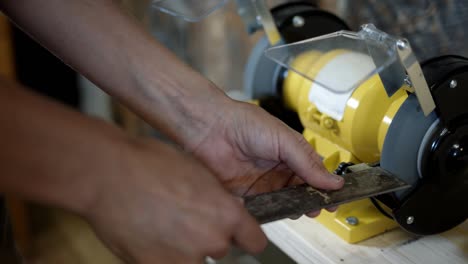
(339, 71)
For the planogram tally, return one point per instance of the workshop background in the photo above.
(218, 47)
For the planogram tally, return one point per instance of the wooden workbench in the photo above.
(307, 241)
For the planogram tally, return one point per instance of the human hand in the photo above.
(160, 205)
(253, 152)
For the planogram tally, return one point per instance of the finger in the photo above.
(313, 214)
(295, 217)
(297, 153)
(332, 209)
(274, 179)
(239, 200)
(248, 235)
(223, 248)
(295, 181)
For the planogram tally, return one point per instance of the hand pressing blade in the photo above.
(301, 199)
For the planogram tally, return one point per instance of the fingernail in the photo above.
(240, 199)
(336, 177)
(295, 217)
(313, 214)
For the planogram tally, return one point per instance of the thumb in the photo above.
(301, 158)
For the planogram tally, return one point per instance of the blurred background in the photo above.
(218, 47)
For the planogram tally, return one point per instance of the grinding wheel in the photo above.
(261, 73)
(403, 141)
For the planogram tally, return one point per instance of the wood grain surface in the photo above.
(307, 241)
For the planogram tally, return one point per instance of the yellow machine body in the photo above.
(357, 137)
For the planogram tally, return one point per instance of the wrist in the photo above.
(178, 101)
(201, 115)
(99, 161)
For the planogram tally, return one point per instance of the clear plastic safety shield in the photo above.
(189, 10)
(359, 55)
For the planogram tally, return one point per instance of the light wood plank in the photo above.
(307, 241)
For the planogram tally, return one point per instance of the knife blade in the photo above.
(362, 182)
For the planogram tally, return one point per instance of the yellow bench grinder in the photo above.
(362, 97)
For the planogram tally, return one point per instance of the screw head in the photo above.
(408, 82)
(352, 220)
(402, 44)
(259, 19)
(328, 123)
(453, 83)
(298, 21)
(410, 220)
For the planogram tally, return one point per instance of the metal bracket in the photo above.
(405, 69)
(248, 14)
(256, 14)
(415, 81)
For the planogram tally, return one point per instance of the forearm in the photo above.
(51, 154)
(103, 43)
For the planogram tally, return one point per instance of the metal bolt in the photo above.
(352, 220)
(328, 123)
(410, 220)
(453, 83)
(298, 21)
(259, 19)
(408, 82)
(401, 44)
